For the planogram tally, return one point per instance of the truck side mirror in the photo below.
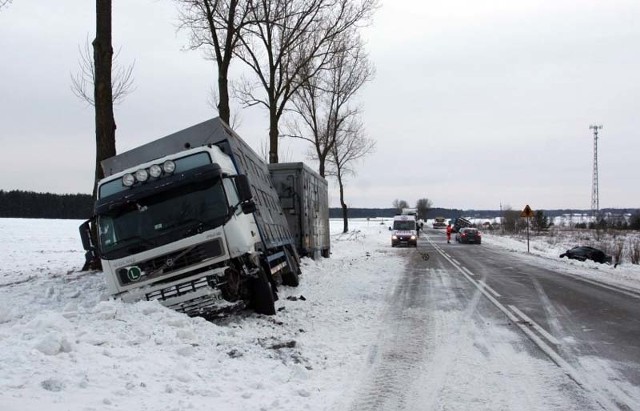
(86, 235)
(244, 189)
(248, 207)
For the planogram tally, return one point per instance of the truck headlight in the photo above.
(142, 175)
(394, 237)
(155, 171)
(169, 166)
(413, 237)
(128, 180)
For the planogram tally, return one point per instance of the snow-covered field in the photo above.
(64, 345)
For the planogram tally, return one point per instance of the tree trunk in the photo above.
(345, 219)
(223, 89)
(103, 98)
(273, 138)
(321, 161)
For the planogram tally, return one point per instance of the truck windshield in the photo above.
(404, 225)
(162, 218)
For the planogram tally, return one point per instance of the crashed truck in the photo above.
(192, 220)
(459, 223)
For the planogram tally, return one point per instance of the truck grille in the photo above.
(181, 289)
(174, 261)
(209, 303)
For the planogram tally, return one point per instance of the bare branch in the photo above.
(351, 146)
(216, 26)
(4, 3)
(83, 81)
(288, 42)
(323, 103)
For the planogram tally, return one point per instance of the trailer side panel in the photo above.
(304, 199)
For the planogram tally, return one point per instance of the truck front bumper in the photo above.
(194, 295)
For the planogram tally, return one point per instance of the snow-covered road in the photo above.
(445, 346)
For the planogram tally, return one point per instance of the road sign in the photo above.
(527, 212)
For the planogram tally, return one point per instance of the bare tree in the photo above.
(103, 100)
(322, 101)
(511, 220)
(103, 95)
(423, 205)
(351, 146)
(4, 3)
(399, 205)
(216, 26)
(289, 42)
(82, 84)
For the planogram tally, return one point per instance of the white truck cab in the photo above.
(404, 231)
(192, 220)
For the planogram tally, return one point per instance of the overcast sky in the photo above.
(474, 103)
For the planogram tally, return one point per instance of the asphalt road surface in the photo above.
(477, 327)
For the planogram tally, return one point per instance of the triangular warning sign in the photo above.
(527, 212)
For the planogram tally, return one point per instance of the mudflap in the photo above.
(290, 276)
(262, 295)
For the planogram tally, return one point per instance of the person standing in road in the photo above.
(449, 233)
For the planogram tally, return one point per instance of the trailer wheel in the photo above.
(290, 276)
(262, 298)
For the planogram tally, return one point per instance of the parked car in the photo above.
(583, 253)
(469, 235)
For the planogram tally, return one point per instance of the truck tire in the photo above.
(290, 276)
(262, 298)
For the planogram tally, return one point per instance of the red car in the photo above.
(469, 235)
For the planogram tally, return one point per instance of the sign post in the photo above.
(527, 213)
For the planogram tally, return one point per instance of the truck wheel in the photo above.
(262, 299)
(290, 276)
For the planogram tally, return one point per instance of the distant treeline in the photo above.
(455, 213)
(432, 213)
(28, 204)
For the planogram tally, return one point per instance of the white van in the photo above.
(404, 231)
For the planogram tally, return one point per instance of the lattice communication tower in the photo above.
(595, 201)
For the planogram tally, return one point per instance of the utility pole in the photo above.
(501, 220)
(595, 201)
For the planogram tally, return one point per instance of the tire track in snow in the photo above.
(581, 378)
(402, 347)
